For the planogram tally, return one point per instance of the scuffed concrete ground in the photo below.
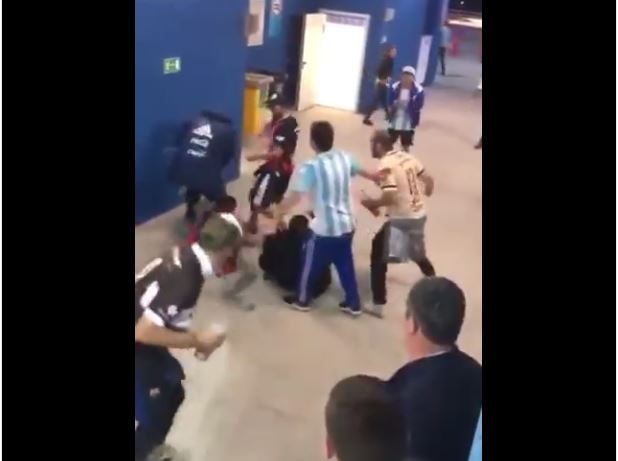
(261, 397)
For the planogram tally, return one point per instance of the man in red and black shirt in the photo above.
(273, 176)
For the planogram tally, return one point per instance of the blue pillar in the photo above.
(436, 13)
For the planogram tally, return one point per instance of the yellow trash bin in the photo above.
(256, 93)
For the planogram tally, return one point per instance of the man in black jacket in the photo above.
(440, 389)
(385, 71)
(207, 147)
(281, 257)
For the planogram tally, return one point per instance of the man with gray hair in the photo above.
(439, 390)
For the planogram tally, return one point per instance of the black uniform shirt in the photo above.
(167, 289)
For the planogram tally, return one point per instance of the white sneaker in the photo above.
(375, 310)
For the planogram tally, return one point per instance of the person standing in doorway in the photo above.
(327, 180)
(445, 45)
(406, 98)
(402, 237)
(383, 78)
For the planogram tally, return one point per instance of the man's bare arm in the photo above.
(428, 182)
(290, 201)
(148, 333)
(256, 157)
(387, 198)
(204, 342)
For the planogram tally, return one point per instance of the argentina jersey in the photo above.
(327, 178)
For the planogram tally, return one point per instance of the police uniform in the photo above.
(166, 292)
(273, 177)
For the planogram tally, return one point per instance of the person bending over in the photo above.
(273, 176)
(166, 292)
(326, 181)
(363, 422)
(207, 146)
(402, 236)
(282, 256)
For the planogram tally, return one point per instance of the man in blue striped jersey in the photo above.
(326, 179)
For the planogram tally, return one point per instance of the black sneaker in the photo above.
(294, 304)
(367, 122)
(343, 307)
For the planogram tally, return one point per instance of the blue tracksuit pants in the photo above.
(319, 253)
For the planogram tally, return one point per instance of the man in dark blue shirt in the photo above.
(440, 389)
(206, 149)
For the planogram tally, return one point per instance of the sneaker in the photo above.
(164, 453)
(294, 304)
(374, 309)
(343, 307)
(367, 122)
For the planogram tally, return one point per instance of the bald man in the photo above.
(402, 237)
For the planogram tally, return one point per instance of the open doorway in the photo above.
(332, 59)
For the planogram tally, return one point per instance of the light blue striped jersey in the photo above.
(401, 120)
(327, 178)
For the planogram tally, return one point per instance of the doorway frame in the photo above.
(367, 18)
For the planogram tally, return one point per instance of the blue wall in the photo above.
(274, 55)
(434, 18)
(209, 38)
(211, 44)
(405, 30)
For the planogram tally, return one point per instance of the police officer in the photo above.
(166, 292)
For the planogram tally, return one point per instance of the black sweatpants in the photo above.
(379, 265)
(158, 395)
(192, 198)
(442, 55)
(379, 100)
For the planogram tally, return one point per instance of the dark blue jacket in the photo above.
(441, 398)
(204, 151)
(417, 101)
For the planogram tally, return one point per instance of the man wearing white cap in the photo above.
(405, 101)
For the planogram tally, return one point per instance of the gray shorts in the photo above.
(404, 240)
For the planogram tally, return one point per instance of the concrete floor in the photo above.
(261, 397)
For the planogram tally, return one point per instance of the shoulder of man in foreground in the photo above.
(455, 358)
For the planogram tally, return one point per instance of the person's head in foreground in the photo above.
(381, 143)
(275, 104)
(435, 312)
(363, 422)
(221, 237)
(322, 136)
(408, 76)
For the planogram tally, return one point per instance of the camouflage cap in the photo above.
(220, 231)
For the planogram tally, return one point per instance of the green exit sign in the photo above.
(171, 65)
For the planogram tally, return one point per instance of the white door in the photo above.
(342, 60)
(313, 30)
